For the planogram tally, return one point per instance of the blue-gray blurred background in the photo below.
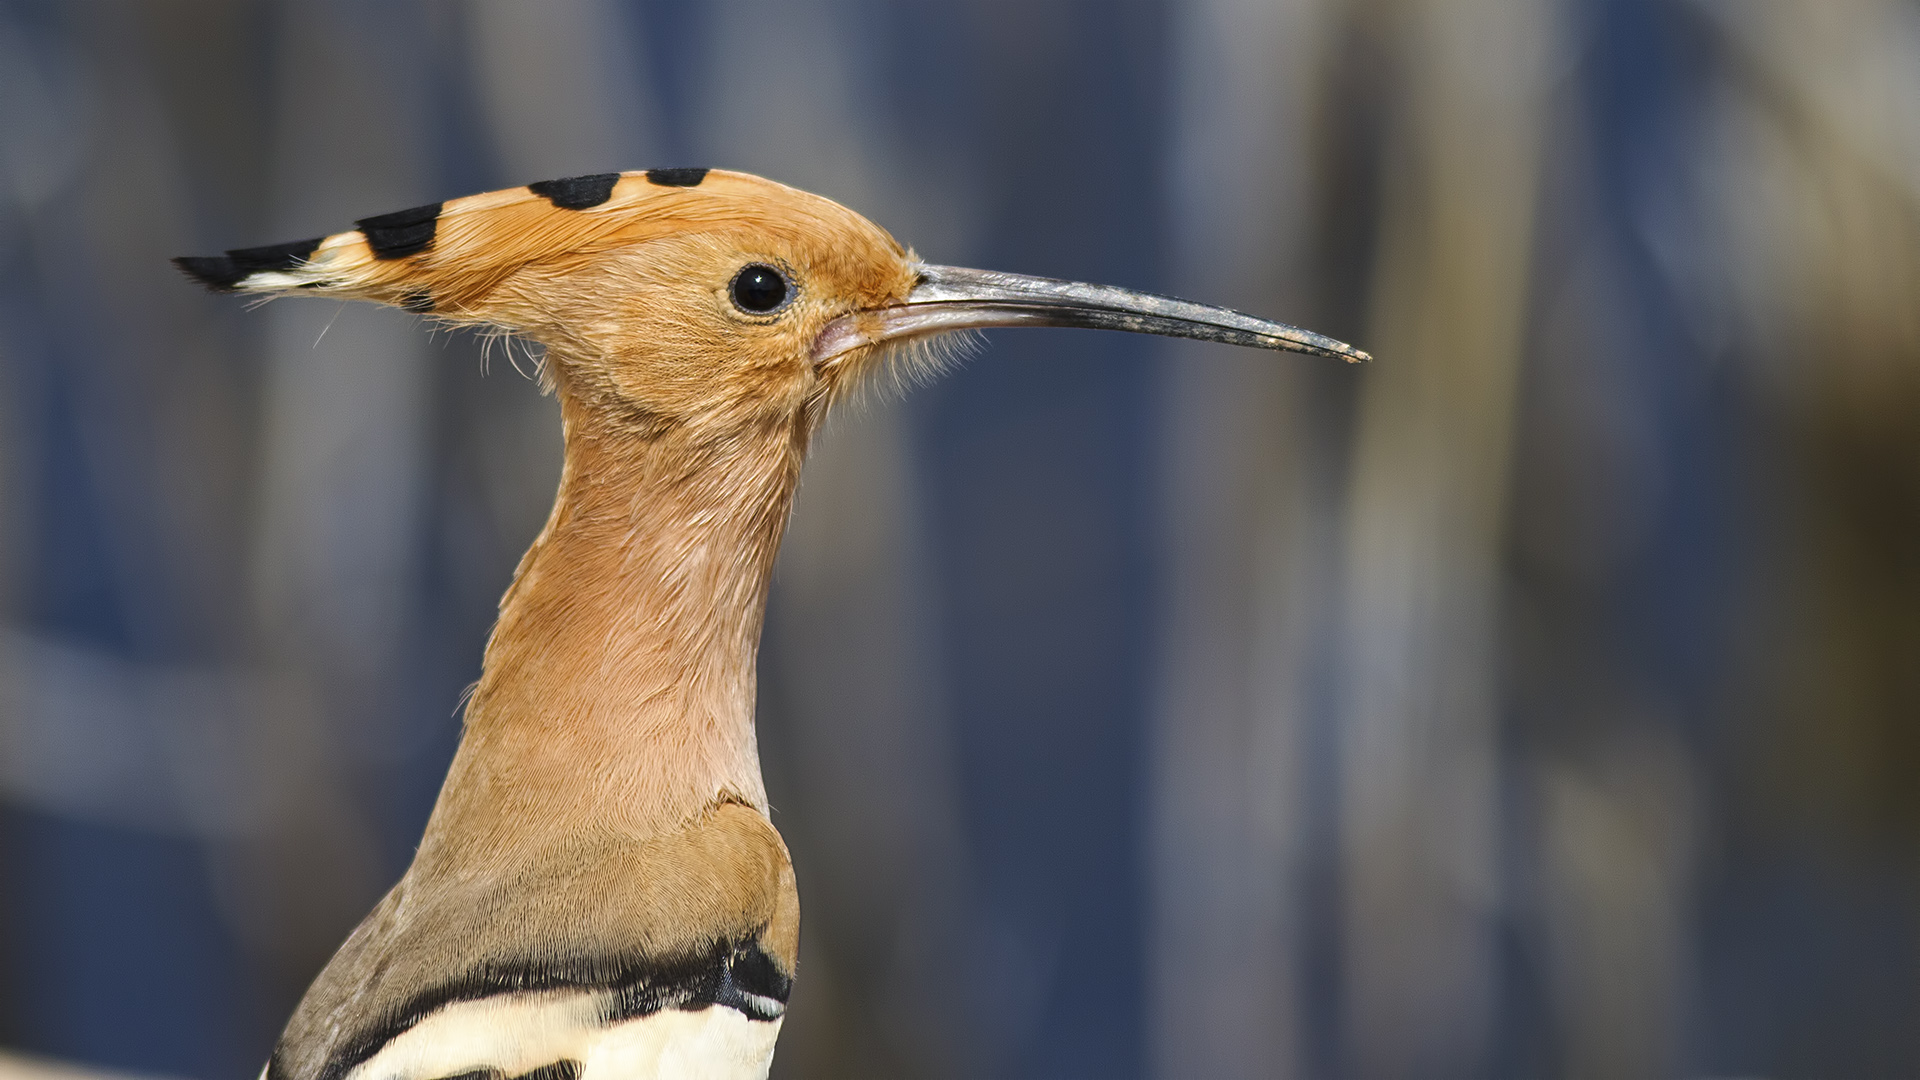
(1541, 700)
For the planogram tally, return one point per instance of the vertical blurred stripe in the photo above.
(1248, 534)
(1812, 180)
(111, 937)
(342, 471)
(1419, 797)
(563, 87)
(1036, 468)
(343, 463)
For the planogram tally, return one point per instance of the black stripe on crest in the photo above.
(676, 177)
(274, 256)
(401, 233)
(577, 192)
(216, 272)
(223, 273)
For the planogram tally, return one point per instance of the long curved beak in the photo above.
(953, 298)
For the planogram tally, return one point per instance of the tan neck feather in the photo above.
(618, 688)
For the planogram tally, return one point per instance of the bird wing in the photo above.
(595, 946)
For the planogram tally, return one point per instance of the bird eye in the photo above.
(759, 288)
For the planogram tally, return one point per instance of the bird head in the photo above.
(693, 296)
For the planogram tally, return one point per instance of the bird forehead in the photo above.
(716, 225)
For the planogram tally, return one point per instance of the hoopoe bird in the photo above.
(599, 894)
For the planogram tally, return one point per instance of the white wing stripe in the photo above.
(513, 1034)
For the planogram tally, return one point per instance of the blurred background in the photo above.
(1540, 700)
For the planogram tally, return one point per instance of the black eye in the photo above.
(759, 288)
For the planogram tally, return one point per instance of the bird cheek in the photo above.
(840, 369)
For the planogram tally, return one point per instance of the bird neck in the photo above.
(618, 687)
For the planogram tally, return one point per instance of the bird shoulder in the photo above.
(604, 926)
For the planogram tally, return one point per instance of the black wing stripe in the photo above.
(564, 1069)
(738, 975)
